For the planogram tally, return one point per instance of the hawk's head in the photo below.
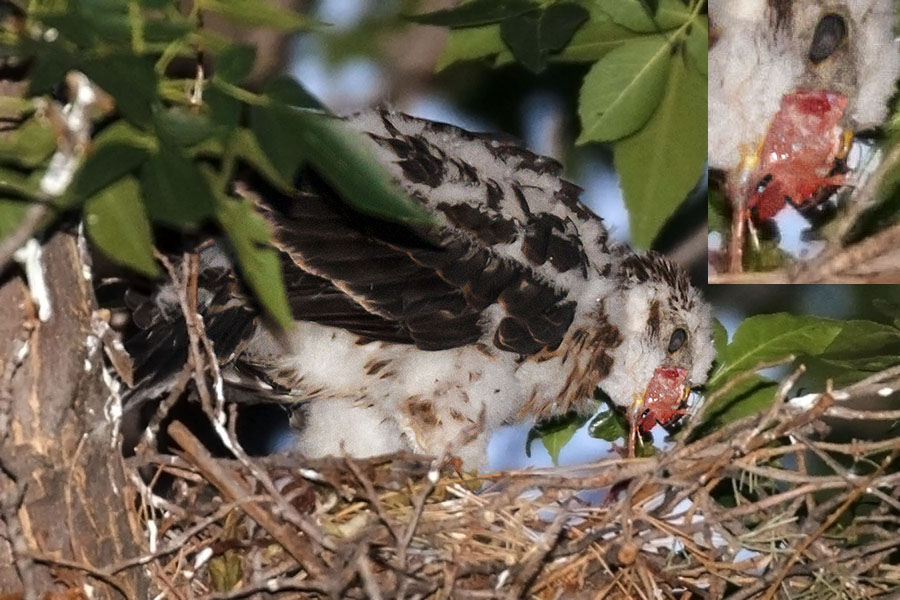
(666, 347)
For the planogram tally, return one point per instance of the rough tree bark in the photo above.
(62, 485)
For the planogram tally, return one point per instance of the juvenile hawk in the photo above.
(515, 305)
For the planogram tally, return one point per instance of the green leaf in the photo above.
(622, 89)
(473, 14)
(16, 107)
(846, 371)
(340, 155)
(865, 365)
(609, 425)
(105, 164)
(130, 80)
(652, 6)
(235, 63)
(167, 31)
(558, 23)
(751, 396)
(594, 40)
(248, 149)
(224, 109)
(12, 211)
(156, 4)
(109, 22)
(288, 90)
(717, 211)
(258, 260)
(470, 44)
(697, 44)
(633, 14)
(769, 256)
(181, 127)
(555, 433)
(15, 183)
(720, 336)
(175, 192)
(29, 145)
(52, 64)
(115, 221)
(859, 338)
(766, 338)
(71, 27)
(555, 441)
(337, 153)
(660, 164)
(275, 130)
(253, 13)
(533, 35)
(888, 308)
(245, 146)
(123, 132)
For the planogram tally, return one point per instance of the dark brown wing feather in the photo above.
(425, 286)
(159, 341)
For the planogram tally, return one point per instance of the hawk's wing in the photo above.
(502, 266)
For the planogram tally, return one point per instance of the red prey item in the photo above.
(664, 399)
(800, 151)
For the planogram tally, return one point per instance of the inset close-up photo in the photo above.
(803, 142)
(377, 299)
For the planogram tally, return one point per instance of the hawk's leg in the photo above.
(736, 189)
(634, 426)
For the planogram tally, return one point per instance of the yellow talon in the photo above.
(846, 142)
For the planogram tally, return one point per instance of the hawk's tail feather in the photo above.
(159, 341)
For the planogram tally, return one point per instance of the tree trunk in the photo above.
(64, 494)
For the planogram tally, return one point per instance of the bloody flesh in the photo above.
(800, 151)
(664, 398)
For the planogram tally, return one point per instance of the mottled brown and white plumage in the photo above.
(515, 305)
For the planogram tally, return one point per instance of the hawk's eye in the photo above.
(830, 33)
(679, 337)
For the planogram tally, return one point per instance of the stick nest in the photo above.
(759, 508)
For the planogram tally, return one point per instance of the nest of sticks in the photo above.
(774, 505)
(745, 512)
